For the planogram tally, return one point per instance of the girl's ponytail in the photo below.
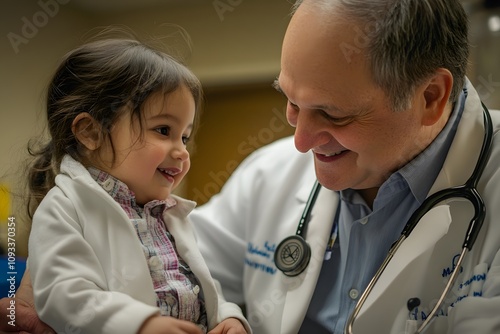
(41, 175)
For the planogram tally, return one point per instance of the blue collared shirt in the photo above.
(365, 235)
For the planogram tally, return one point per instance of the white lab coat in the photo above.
(262, 202)
(87, 266)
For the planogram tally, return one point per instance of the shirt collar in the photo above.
(422, 171)
(120, 192)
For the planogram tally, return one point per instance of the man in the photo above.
(384, 117)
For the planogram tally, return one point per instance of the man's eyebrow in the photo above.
(329, 108)
(277, 86)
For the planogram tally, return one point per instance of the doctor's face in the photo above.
(337, 110)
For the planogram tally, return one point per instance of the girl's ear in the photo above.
(87, 131)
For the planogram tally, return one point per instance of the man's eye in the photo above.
(339, 121)
(164, 130)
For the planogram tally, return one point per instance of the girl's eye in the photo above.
(185, 140)
(164, 130)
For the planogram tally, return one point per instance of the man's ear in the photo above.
(87, 131)
(436, 96)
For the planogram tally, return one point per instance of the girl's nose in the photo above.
(180, 152)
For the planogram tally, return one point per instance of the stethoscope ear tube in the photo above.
(479, 206)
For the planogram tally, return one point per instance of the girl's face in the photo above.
(152, 165)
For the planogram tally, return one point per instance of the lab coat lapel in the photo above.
(301, 288)
(464, 151)
(185, 242)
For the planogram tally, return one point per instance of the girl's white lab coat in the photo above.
(87, 266)
(261, 205)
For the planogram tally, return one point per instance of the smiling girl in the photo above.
(111, 250)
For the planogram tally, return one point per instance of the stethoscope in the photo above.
(294, 253)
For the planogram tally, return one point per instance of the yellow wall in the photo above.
(234, 123)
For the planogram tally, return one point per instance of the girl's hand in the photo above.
(229, 326)
(168, 325)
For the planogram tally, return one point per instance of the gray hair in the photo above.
(408, 40)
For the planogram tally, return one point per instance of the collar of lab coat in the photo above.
(466, 146)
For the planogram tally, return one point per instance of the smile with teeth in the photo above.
(330, 157)
(332, 154)
(169, 173)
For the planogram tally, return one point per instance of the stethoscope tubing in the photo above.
(304, 219)
(467, 191)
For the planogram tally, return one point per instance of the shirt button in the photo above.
(108, 184)
(364, 221)
(155, 262)
(353, 293)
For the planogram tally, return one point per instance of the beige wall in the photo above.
(239, 46)
(25, 70)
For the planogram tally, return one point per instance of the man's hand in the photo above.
(26, 319)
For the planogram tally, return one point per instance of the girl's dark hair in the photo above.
(104, 78)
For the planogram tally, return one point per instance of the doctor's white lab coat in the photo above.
(261, 204)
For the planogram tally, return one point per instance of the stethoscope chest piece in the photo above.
(292, 255)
